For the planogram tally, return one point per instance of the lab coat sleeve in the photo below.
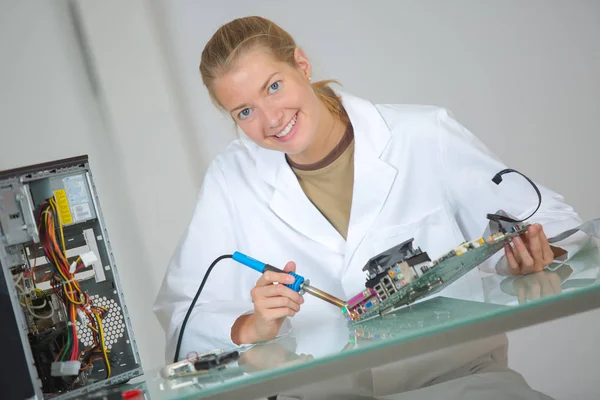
(468, 167)
(225, 296)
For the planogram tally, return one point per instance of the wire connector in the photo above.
(88, 258)
(65, 368)
(81, 316)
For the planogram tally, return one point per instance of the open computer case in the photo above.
(65, 330)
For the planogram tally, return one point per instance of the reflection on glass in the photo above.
(275, 354)
(323, 335)
(578, 269)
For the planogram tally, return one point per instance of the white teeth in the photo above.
(288, 127)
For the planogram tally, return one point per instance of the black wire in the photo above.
(497, 179)
(189, 311)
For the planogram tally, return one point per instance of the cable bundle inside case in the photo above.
(78, 304)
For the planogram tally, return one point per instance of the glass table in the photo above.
(324, 346)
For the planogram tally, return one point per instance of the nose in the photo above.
(273, 117)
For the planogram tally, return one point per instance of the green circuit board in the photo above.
(445, 271)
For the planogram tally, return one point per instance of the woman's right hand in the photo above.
(272, 304)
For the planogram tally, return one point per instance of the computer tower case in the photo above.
(65, 328)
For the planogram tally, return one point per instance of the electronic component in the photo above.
(200, 364)
(219, 360)
(403, 274)
(60, 293)
(65, 368)
(180, 368)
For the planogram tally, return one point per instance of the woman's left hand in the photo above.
(530, 252)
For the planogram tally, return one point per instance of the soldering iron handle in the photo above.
(296, 286)
(249, 262)
(269, 267)
(262, 267)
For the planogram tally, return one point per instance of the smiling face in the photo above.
(273, 102)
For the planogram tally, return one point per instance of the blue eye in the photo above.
(244, 113)
(274, 87)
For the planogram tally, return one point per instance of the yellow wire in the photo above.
(71, 299)
(60, 224)
(69, 287)
(103, 344)
(52, 253)
(50, 223)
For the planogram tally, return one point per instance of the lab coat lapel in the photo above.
(289, 202)
(373, 177)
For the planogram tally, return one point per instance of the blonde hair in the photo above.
(244, 34)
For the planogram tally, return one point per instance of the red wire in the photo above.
(80, 266)
(75, 353)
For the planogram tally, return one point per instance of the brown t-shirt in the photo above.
(329, 183)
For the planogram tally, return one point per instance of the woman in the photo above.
(327, 180)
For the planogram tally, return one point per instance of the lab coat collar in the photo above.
(373, 179)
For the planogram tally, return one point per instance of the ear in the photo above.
(303, 64)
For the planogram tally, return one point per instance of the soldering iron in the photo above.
(300, 285)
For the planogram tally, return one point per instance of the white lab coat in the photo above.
(418, 173)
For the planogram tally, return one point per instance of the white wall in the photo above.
(49, 111)
(523, 76)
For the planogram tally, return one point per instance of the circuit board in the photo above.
(430, 279)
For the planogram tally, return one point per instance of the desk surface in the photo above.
(324, 346)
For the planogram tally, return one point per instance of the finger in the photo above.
(277, 302)
(516, 254)
(270, 277)
(535, 247)
(276, 313)
(547, 253)
(520, 289)
(555, 282)
(545, 285)
(534, 290)
(513, 265)
(278, 291)
(526, 263)
(290, 267)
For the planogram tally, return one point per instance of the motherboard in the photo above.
(404, 274)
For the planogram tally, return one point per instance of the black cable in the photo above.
(189, 311)
(497, 179)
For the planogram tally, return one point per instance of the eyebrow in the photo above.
(264, 86)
